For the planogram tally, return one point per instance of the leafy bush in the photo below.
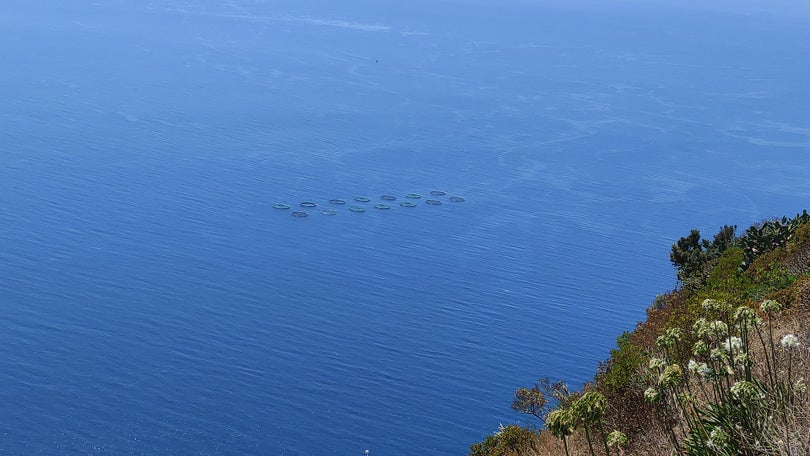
(769, 235)
(507, 441)
(622, 368)
(691, 255)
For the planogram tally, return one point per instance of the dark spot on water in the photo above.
(388, 198)
(456, 199)
(413, 196)
(300, 214)
(362, 199)
(281, 206)
(407, 204)
(357, 209)
(328, 211)
(337, 201)
(437, 193)
(308, 204)
(433, 202)
(382, 206)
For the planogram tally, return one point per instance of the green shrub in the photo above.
(691, 255)
(508, 440)
(622, 368)
(769, 235)
(726, 278)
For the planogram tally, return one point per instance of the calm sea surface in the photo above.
(153, 302)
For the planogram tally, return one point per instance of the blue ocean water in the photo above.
(152, 301)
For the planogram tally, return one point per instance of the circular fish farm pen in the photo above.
(409, 200)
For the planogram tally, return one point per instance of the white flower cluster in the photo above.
(657, 363)
(671, 376)
(718, 439)
(714, 306)
(732, 343)
(616, 438)
(703, 328)
(742, 359)
(719, 328)
(700, 348)
(718, 354)
(747, 391)
(746, 315)
(701, 369)
(769, 305)
(790, 341)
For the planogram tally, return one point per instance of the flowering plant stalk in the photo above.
(734, 412)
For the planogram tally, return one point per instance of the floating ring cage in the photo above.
(364, 199)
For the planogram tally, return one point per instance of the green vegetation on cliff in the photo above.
(718, 368)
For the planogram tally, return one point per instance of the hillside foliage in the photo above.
(719, 367)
